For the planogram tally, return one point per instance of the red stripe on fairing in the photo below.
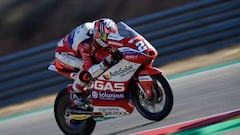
(136, 58)
(149, 71)
(191, 124)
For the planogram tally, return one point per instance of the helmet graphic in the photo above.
(102, 28)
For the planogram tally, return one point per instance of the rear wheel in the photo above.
(160, 104)
(68, 126)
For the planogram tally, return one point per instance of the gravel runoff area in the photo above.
(213, 58)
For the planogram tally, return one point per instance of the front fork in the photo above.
(145, 82)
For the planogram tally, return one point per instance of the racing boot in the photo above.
(79, 95)
(81, 103)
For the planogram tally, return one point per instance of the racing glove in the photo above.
(108, 61)
(98, 69)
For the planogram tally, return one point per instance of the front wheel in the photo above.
(69, 126)
(160, 104)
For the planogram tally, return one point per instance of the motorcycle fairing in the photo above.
(110, 89)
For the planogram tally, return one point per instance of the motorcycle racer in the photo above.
(83, 54)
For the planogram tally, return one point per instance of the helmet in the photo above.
(102, 28)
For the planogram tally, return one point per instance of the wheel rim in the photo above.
(157, 102)
(69, 125)
(72, 124)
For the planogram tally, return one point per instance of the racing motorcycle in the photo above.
(131, 82)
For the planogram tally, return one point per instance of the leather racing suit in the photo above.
(79, 56)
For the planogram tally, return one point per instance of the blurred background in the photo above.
(27, 23)
(178, 29)
(188, 34)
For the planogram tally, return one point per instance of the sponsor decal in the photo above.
(115, 113)
(112, 111)
(115, 37)
(141, 46)
(107, 95)
(122, 71)
(144, 78)
(94, 94)
(107, 76)
(133, 57)
(115, 43)
(109, 109)
(112, 86)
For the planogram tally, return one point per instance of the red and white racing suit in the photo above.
(78, 54)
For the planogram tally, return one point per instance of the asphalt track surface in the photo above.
(196, 95)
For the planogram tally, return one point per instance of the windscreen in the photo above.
(126, 31)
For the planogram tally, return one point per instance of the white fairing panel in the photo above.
(110, 111)
(121, 72)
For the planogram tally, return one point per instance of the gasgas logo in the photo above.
(111, 86)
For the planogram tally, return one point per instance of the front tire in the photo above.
(160, 105)
(70, 127)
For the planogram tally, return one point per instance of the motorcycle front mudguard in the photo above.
(149, 71)
(156, 75)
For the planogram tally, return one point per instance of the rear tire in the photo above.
(73, 127)
(162, 92)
